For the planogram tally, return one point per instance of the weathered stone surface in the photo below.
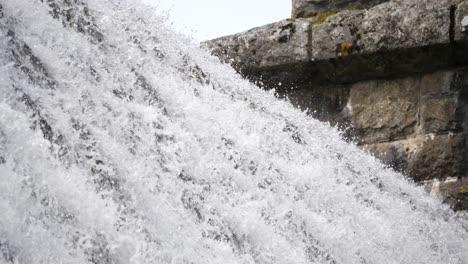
(461, 21)
(439, 114)
(304, 8)
(453, 191)
(406, 24)
(337, 36)
(388, 110)
(393, 39)
(392, 25)
(383, 111)
(425, 157)
(284, 42)
(438, 157)
(441, 106)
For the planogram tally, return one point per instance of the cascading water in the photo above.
(121, 142)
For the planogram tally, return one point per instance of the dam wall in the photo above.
(393, 75)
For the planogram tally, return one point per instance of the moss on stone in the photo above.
(321, 17)
(291, 19)
(345, 49)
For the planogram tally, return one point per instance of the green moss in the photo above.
(321, 17)
(291, 20)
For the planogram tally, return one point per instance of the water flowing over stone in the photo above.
(122, 142)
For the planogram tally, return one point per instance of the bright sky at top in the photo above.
(207, 19)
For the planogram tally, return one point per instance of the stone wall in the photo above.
(393, 76)
(417, 124)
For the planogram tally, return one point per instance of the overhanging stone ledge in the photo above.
(394, 39)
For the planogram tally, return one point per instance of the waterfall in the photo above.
(123, 142)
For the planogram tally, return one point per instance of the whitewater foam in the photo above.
(122, 142)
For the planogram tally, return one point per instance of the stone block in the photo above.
(305, 8)
(281, 43)
(406, 24)
(389, 26)
(453, 191)
(440, 114)
(439, 157)
(337, 36)
(383, 111)
(393, 39)
(441, 102)
(425, 157)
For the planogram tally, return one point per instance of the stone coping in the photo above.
(394, 38)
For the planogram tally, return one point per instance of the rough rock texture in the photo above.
(394, 77)
(393, 25)
(391, 39)
(421, 132)
(304, 8)
(453, 190)
(388, 110)
(378, 117)
(337, 36)
(424, 157)
(442, 104)
(274, 44)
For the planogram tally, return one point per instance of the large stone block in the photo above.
(383, 111)
(453, 191)
(441, 102)
(388, 110)
(406, 24)
(389, 26)
(281, 43)
(304, 8)
(392, 39)
(439, 114)
(425, 157)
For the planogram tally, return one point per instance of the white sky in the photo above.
(207, 19)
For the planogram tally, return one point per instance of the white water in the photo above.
(122, 143)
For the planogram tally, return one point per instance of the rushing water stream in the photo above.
(121, 142)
